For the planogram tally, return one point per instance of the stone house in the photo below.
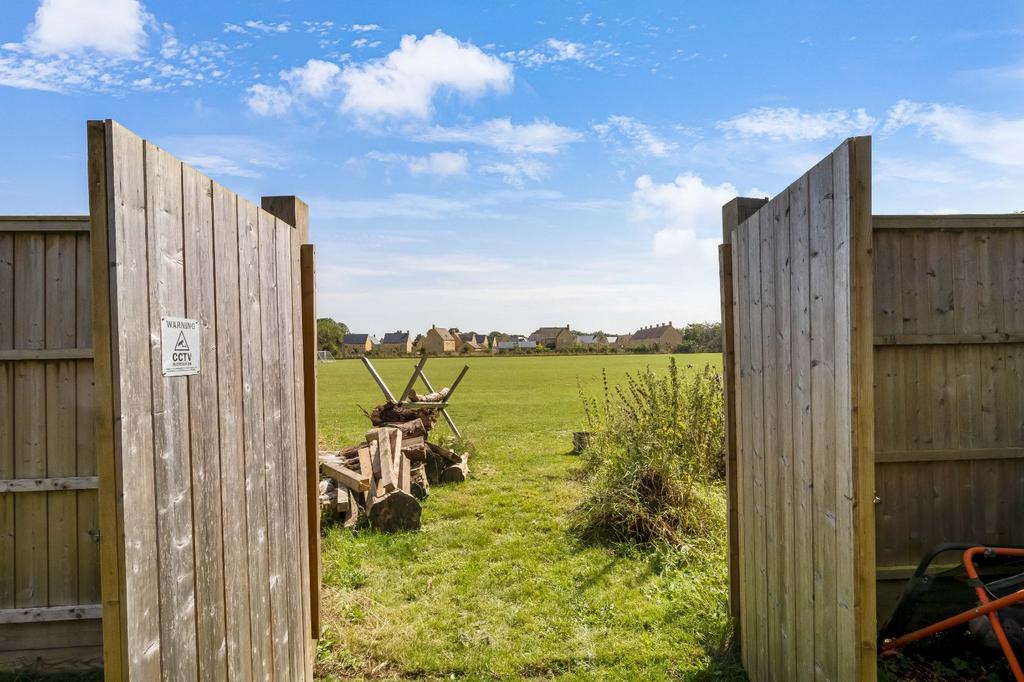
(662, 337)
(356, 344)
(396, 343)
(438, 341)
(554, 337)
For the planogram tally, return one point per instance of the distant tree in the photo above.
(701, 337)
(329, 335)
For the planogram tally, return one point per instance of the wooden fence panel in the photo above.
(949, 405)
(211, 545)
(48, 513)
(803, 372)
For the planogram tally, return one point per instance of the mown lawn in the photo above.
(495, 586)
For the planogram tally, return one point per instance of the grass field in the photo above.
(495, 586)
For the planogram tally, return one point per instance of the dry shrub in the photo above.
(654, 467)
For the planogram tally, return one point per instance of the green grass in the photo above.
(495, 586)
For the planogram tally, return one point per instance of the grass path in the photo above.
(494, 586)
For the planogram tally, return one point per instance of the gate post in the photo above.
(733, 213)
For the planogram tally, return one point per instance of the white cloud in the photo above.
(539, 137)
(680, 212)
(239, 156)
(365, 27)
(112, 27)
(260, 25)
(442, 164)
(316, 79)
(517, 171)
(983, 136)
(641, 139)
(788, 123)
(404, 82)
(268, 100)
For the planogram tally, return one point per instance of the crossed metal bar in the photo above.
(417, 373)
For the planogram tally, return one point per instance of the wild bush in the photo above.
(653, 471)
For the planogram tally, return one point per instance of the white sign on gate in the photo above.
(179, 340)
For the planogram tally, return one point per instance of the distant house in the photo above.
(663, 337)
(356, 344)
(592, 340)
(468, 339)
(438, 341)
(612, 340)
(515, 342)
(482, 342)
(622, 340)
(396, 343)
(554, 337)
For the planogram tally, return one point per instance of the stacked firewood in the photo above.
(389, 474)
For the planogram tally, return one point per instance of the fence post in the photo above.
(733, 213)
(295, 212)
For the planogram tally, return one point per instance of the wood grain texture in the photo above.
(804, 334)
(219, 531)
(169, 409)
(235, 527)
(204, 432)
(949, 408)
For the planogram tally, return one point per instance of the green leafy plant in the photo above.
(653, 471)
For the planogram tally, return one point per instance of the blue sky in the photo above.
(509, 166)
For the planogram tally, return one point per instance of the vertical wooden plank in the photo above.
(102, 213)
(172, 470)
(7, 523)
(249, 274)
(725, 275)
(733, 213)
(862, 408)
(272, 417)
(30, 420)
(759, 558)
(204, 417)
(235, 528)
(85, 416)
(291, 453)
(770, 452)
(311, 428)
(744, 435)
(133, 404)
(784, 490)
(843, 465)
(823, 410)
(61, 507)
(295, 212)
(803, 471)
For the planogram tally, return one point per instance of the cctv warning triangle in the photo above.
(181, 343)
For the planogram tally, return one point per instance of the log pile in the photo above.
(389, 474)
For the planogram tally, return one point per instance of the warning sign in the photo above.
(179, 346)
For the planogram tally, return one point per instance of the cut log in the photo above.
(416, 453)
(342, 500)
(435, 397)
(394, 511)
(409, 429)
(444, 453)
(420, 486)
(365, 461)
(351, 517)
(455, 473)
(384, 461)
(389, 413)
(339, 471)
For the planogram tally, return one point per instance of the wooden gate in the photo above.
(803, 419)
(49, 527)
(203, 477)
